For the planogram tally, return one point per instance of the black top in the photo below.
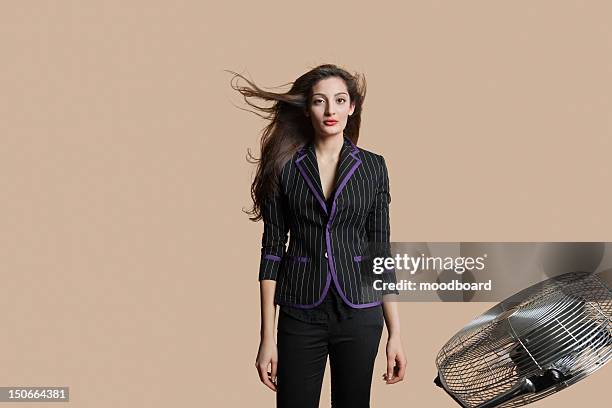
(332, 303)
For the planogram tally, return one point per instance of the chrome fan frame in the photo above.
(536, 342)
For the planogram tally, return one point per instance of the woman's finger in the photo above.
(401, 368)
(263, 376)
(390, 364)
(273, 373)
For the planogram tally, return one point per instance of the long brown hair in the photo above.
(289, 129)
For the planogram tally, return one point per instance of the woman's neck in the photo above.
(328, 148)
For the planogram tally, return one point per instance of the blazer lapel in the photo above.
(308, 167)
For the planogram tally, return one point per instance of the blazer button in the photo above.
(326, 254)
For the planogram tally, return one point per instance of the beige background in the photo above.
(130, 272)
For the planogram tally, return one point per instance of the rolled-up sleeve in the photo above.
(274, 236)
(378, 225)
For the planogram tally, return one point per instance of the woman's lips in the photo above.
(330, 122)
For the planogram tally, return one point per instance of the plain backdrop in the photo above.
(129, 270)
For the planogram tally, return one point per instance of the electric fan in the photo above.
(535, 343)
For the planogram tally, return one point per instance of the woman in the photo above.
(333, 197)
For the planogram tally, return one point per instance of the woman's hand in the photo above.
(396, 361)
(267, 356)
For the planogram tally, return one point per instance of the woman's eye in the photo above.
(340, 100)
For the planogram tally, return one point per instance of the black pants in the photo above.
(352, 345)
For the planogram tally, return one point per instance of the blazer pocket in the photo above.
(359, 258)
(295, 258)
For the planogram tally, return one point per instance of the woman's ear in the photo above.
(352, 108)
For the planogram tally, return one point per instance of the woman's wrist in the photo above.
(393, 334)
(266, 336)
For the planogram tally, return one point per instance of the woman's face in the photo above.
(330, 107)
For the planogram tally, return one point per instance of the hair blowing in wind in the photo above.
(289, 128)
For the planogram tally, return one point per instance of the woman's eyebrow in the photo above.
(339, 93)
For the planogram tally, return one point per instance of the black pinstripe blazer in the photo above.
(323, 248)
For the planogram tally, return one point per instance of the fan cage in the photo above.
(562, 323)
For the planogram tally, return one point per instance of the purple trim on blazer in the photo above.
(328, 238)
(272, 257)
(330, 259)
(299, 258)
(359, 258)
(312, 188)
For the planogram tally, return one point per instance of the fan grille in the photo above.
(563, 323)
